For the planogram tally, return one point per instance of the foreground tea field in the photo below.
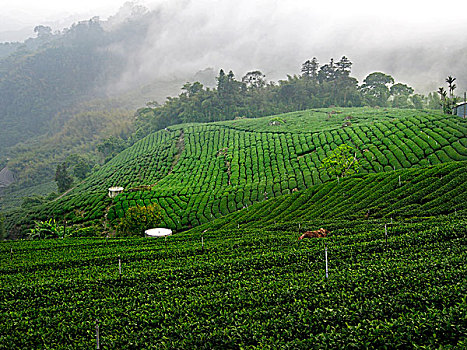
(252, 288)
(200, 172)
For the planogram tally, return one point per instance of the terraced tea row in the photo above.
(252, 288)
(432, 191)
(200, 172)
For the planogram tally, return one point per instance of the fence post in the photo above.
(119, 267)
(386, 232)
(97, 335)
(326, 258)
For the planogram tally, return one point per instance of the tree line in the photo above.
(317, 86)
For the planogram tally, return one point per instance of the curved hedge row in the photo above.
(421, 192)
(200, 172)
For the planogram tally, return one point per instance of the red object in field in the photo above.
(314, 234)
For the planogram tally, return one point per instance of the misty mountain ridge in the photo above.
(44, 77)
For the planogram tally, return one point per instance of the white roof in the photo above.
(115, 189)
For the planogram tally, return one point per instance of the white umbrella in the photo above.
(158, 232)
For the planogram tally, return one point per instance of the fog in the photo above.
(418, 42)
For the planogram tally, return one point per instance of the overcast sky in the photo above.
(419, 42)
(422, 15)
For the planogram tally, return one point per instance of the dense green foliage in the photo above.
(2, 227)
(46, 229)
(86, 127)
(245, 288)
(199, 172)
(325, 86)
(341, 162)
(138, 219)
(34, 195)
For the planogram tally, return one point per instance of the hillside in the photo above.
(394, 257)
(199, 172)
(421, 192)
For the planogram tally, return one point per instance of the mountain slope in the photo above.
(198, 172)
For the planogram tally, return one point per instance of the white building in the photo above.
(114, 191)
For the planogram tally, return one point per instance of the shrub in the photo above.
(45, 229)
(138, 219)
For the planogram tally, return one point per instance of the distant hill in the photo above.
(58, 94)
(200, 172)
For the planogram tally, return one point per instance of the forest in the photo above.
(252, 96)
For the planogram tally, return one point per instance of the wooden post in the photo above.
(386, 232)
(202, 243)
(97, 335)
(326, 258)
(11, 253)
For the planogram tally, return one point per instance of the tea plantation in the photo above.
(200, 172)
(391, 274)
(245, 288)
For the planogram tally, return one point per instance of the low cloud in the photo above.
(182, 37)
